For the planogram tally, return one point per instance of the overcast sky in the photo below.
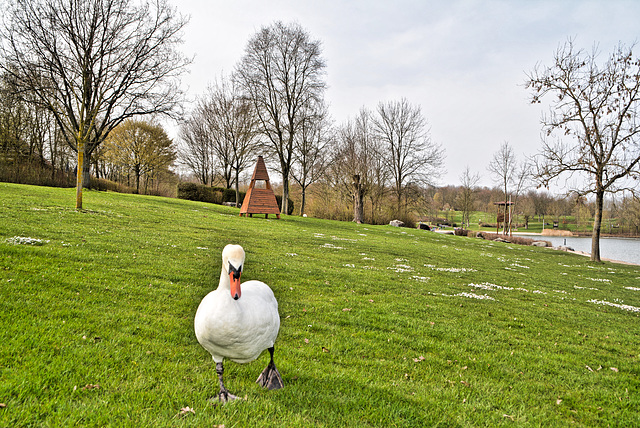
(463, 62)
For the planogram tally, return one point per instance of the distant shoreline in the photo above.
(581, 253)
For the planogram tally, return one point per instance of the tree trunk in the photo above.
(285, 190)
(304, 201)
(597, 223)
(237, 188)
(358, 203)
(136, 171)
(86, 168)
(79, 174)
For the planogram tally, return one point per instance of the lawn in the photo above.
(381, 326)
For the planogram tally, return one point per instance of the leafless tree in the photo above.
(592, 126)
(282, 73)
(356, 156)
(503, 168)
(195, 148)
(310, 150)
(407, 148)
(468, 184)
(233, 128)
(94, 63)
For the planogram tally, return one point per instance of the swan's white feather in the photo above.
(241, 329)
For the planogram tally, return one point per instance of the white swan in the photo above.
(238, 323)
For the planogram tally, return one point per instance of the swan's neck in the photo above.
(224, 284)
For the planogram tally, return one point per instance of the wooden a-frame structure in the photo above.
(260, 200)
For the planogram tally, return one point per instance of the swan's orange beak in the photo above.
(234, 279)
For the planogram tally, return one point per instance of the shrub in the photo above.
(289, 205)
(188, 191)
(217, 195)
(104, 185)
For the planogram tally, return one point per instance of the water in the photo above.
(623, 249)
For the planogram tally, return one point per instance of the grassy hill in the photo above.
(380, 326)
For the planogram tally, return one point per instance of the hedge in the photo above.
(216, 195)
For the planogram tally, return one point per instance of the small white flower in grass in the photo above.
(202, 248)
(401, 268)
(599, 279)
(615, 305)
(25, 240)
(520, 266)
(420, 278)
(291, 254)
(632, 288)
(349, 265)
(474, 296)
(331, 246)
(335, 238)
(489, 286)
(454, 270)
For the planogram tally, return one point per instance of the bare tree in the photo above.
(503, 168)
(233, 128)
(594, 118)
(94, 63)
(408, 151)
(282, 73)
(195, 150)
(355, 157)
(310, 154)
(522, 180)
(468, 182)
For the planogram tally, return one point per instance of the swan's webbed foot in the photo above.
(270, 377)
(224, 397)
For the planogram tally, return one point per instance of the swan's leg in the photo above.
(270, 377)
(224, 396)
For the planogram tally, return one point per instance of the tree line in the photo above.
(85, 79)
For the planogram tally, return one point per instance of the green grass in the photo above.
(97, 322)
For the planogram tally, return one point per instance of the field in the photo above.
(381, 326)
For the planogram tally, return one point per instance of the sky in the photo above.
(463, 62)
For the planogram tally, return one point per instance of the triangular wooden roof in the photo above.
(260, 171)
(257, 200)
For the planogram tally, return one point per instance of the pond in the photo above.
(623, 249)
